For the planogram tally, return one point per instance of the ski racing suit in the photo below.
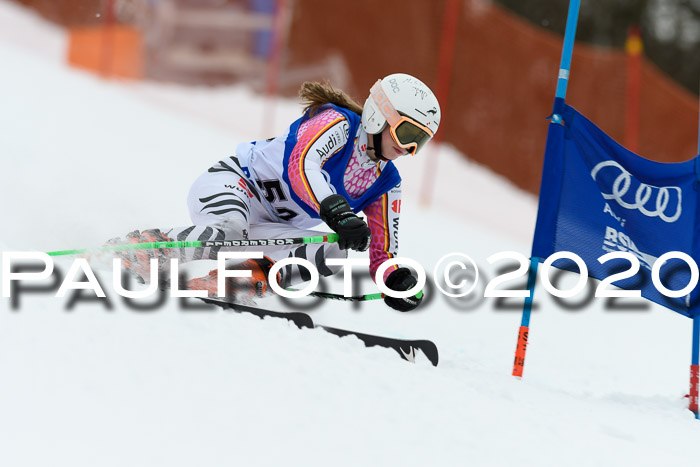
(273, 189)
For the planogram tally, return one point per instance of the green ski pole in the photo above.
(329, 238)
(357, 298)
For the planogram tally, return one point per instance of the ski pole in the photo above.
(357, 298)
(330, 238)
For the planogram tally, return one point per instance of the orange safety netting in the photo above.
(504, 78)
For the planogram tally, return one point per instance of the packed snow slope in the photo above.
(100, 383)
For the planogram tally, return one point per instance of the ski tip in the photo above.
(430, 350)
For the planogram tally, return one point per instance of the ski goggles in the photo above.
(406, 132)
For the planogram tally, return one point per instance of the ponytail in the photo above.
(314, 94)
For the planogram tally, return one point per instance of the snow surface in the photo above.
(95, 383)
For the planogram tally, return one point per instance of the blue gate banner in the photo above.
(597, 197)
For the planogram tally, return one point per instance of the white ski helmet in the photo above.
(407, 105)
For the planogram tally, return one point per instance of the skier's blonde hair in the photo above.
(314, 94)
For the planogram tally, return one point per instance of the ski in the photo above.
(405, 348)
(300, 320)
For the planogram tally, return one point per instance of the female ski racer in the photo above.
(333, 162)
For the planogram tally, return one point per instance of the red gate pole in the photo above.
(442, 88)
(695, 357)
(274, 64)
(634, 48)
(107, 46)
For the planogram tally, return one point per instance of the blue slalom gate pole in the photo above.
(521, 348)
(565, 63)
(562, 82)
(567, 50)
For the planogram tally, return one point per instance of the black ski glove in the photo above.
(400, 280)
(352, 231)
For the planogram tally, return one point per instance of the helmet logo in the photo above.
(433, 111)
(419, 92)
(394, 85)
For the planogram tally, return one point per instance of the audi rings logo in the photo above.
(650, 200)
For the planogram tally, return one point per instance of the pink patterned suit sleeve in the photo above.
(383, 221)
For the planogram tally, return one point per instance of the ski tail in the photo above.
(300, 320)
